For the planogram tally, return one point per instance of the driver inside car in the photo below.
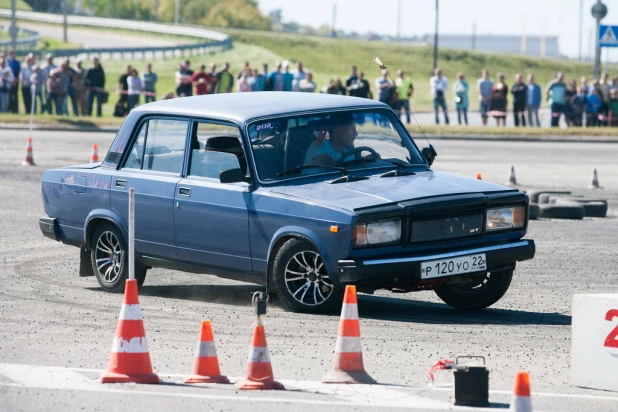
(342, 133)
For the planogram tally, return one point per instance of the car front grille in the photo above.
(447, 225)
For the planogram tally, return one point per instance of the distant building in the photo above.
(539, 46)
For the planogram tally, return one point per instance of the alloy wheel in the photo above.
(307, 280)
(108, 256)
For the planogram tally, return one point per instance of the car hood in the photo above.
(378, 191)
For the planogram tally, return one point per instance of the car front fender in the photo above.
(302, 232)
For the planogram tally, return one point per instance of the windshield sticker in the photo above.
(265, 126)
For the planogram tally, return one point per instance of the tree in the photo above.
(241, 14)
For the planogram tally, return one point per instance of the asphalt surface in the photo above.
(56, 328)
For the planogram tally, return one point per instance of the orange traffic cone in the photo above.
(512, 179)
(206, 365)
(130, 360)
(595, 181)
(348, 360)
(259, 370)
(521, 402)
(479, 176)
(29, 160)
(94, 158)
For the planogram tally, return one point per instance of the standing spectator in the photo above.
(72, 93)
(352, 81)
(246, 68)
(613, 108)
(268, 86)
(360, 87)
(298, 75)
(556, 94)
(58, 88)
(583, 82)
(13, 63)
(518, 90)
(49, 58)
(225, 81)
(288, 78)
(439, 86)
(307, 85)
(135, 89)
(384, 88)
(149, 84)
(122, 88)
(212, 72)
(24, 78)
(79, 83)
(578, 105)
(242, 85)
(259, 81)
(533, 101)
(201, 81)
(37, 80)
(603, 88)
(405, 89)
(184, 86)
(6, 82)
(460, 98)
(593, 106)
(334, 87)
(95, 82)
(568, 96)
(275, 79)
(484, 86)
(499, 101)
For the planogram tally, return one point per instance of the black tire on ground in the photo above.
(544, 198)
(110, 259)
(534, 194)
(301, 280)
(533, 211)
(595, 209)
(567, 198)
(567, 210)
(482, 292)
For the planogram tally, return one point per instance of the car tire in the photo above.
(109, 243)
(544, 198)
(592, 207)
(534, 194)
(482, 292)
(567, 210)
(301, 280)
(533, 211)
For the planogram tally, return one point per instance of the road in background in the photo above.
(51, 317)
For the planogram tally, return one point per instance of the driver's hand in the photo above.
(319, 139)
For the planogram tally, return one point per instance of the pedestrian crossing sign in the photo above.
(607, 36)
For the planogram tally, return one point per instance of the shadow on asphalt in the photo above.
(370, 307)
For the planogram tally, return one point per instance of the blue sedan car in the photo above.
(301, 193)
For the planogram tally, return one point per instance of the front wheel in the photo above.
(301, 279)
(110, 259)
(478, 292)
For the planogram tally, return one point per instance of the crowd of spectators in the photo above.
(47, 88)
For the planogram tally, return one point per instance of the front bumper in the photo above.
(409, 267)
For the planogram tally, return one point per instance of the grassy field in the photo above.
(19, 5)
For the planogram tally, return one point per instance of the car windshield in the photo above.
(332, 143)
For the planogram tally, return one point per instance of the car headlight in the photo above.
(376, 233)
(505, 218)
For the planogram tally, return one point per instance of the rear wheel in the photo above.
(301, 279)
(478, 292)
(110, 259)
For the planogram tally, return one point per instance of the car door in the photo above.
(211, 218)
(153, 166)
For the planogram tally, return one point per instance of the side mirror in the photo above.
(232, 176)
(429, 154)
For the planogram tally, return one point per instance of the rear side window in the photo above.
(215, 148)
(160, 146)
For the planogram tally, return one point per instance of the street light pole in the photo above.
(599, 10)
(13, 29)
(65, 36)
(435, 41)
(581, 26)
(177, 12)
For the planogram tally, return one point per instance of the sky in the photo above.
(534, 17)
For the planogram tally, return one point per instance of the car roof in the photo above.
(241, 107)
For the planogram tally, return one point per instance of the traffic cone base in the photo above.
(206, 365)
(207, 379)
(259, 370)
(111, 377)
(250, 385)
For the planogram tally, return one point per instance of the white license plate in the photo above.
(454, 266)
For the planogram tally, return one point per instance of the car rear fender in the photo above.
(288, 232)
(98, 215)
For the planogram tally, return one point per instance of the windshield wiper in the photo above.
(400, 171)
(299, 168)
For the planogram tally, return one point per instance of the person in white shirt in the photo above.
(24, 78)
(6, 81)
(46, 70)
(307, 84)
(299, 75)
(134, 83)
(439, 86)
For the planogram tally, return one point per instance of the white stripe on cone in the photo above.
(349, 311)
(130, 312)
(348, 344)
(259, 355)
(521, 404)
(135, 345)
(205, 349)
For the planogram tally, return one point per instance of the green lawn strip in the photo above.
(19, 5)
(50, 43)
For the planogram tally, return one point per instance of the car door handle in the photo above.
(184, 191)
(121, 184)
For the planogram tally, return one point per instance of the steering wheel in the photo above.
(354, 151)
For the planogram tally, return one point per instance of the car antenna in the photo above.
(377, 61)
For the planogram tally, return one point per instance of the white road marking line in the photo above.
(547, 394)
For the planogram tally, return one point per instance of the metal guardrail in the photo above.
(214, 41)
(26, 39)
